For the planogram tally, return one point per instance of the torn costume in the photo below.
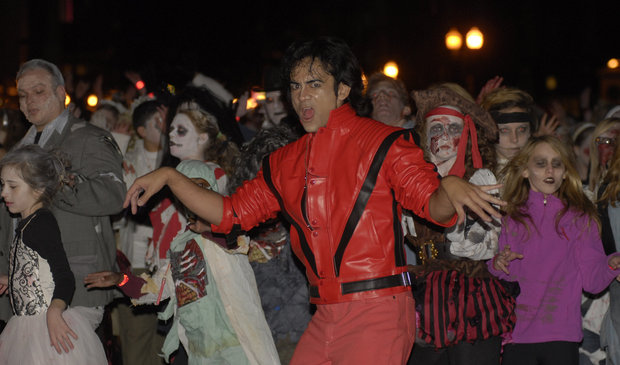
(213, 297)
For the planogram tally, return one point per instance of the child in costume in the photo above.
(40, 282)
(550, 243)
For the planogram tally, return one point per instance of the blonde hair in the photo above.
(597, 172)
(517, 187)
(219, 150)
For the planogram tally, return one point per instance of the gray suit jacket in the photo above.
(83, 211)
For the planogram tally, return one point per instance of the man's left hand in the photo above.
(462, 194)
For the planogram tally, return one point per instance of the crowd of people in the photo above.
(339, 222)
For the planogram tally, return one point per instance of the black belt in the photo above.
(391, 281)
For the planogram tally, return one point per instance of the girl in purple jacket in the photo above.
(550, 243)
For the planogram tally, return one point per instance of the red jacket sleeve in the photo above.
(251, 204)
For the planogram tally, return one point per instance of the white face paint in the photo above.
(185, 142)
(443, 133)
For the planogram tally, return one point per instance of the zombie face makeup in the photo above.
(443, 133)
(387, 105)
(273, 108)
(605, 144)
(545, 170)
(185, 141)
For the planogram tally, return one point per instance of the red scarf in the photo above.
(458, 169)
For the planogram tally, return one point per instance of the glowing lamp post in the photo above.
(391, 69)
(454, 40)
(474, 38)
(92, 100)
(613, 63)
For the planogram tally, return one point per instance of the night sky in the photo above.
(167, 41)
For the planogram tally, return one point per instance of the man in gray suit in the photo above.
(96, 189)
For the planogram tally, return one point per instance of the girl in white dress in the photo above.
(40, 283)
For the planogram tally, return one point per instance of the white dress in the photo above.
(25, 339)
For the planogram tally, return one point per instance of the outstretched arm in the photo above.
(205, 203)
(454, 194)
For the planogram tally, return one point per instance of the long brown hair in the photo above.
(517, 187)
(612, 179)
(597, 172)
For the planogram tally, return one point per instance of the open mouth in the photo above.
(307, 113)
(549, 180)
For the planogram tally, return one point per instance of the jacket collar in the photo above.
(57, 125)
(341, 116)
(537, 199)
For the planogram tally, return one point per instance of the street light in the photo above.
(391, 69)
(454, 40)
(613, 63)
(474, 38)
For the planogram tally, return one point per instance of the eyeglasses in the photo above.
(603, 140)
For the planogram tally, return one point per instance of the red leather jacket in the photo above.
(318, 179)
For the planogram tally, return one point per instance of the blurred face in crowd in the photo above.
(151, 132)
(273, 108)
(185, 141)
(545, 170)
(387, 105)
(312, 94)
(605, 144)
(39, 100)
(512, 136)
(443, 133)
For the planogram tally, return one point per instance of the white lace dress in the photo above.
(25, 339)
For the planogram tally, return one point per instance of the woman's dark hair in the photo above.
(336, 58)
(42, 170)
(143, 112)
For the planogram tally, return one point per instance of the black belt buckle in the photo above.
(402, 279)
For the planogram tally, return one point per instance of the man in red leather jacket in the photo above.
(341, 186)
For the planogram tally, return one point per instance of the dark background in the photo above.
(234, 41)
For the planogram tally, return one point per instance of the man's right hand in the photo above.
(145, 186)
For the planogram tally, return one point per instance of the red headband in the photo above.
(458, 169)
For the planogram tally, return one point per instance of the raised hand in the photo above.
(548, 125)
(490, 85)
(463, 194)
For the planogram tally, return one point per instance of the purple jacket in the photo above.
(555, 268)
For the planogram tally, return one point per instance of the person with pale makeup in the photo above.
(550, 244)
(458, 137)
(609, 211)
(514, 113)
(217, 316)
(390, 101)
(604, 140)
(357, 270)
